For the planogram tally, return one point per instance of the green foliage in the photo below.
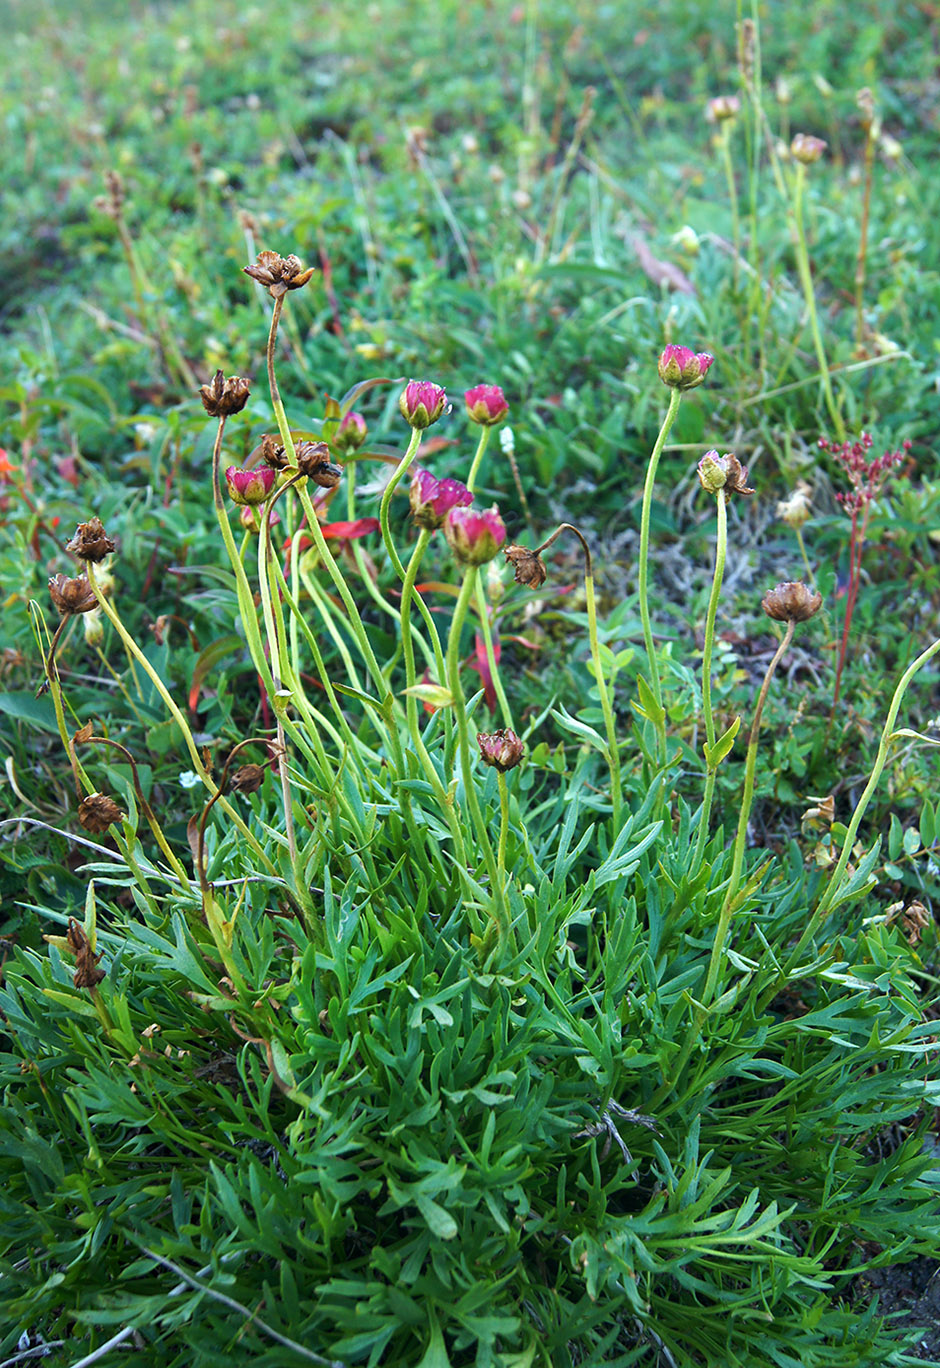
(353, 1100)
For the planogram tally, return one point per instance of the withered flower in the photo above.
(87, 974)
(91, 542)
(273, 453)
(97, 812)
(915, 921)
(221, 397)
(528, 565)
(247, 779)
(717, 473)
(72, 595)
(502, 749)
(112, 203)
(278, 273)
(791, 601)
(313, 460)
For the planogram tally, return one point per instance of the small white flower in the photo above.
(188, 779)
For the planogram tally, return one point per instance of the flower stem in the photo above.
(806, 278)
(721, 546)
(477, 458)
(675, 396)
(486, 628)
(728, 906)
(133, 649)
(610, 724)
(500, 912)
(838, 874)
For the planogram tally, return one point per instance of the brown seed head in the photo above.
(528, 566)
(221, 397)
(72, 595)
(279, 274)
(87, 974)
(915, 921)
(273, 453)
(97, 812)
(791, 601)
(502, 749)
(91, 542)
(313, 459)
(247, 779)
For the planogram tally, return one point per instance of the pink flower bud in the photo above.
(432, 499)
(807, 149)
(474, 536)
(681, 368)
(422, 403)
(351, 433)
(250, 486)
(486, 405)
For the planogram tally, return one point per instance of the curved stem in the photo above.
(610, 724)
(477, 458)
(838, 874)
(675, 396)
(131, 646)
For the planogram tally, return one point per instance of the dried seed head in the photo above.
(112, 203)
(247, 779)
(528, 566)
(87, 974)
(273, 453)
(91, 542)
(313, 460)
(791, 601)
(97, 812)
(221, 397)
(279, 274)
(915, 921)
(502, 749)
(72, 595)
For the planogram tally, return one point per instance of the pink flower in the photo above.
(422, 403)
(474, 536)
(681, 368)
(486, 405)
(351, 433)
(250, 486)
(432, 499)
